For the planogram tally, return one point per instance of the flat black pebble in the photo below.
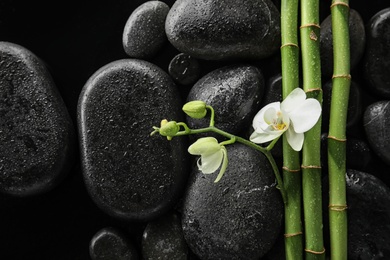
(377, 55)
(163, 239)
(184, 69)
(128, 173)
(36, 132)
(224, 29)
(144, 33)
(377, 127)
(234, 92)
(110, 243)
(239, 217)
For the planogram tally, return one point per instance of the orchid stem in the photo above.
(341, 81)
(212, 115)
(311, 161)
(232, 139)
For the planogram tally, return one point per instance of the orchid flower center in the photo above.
(277, 123)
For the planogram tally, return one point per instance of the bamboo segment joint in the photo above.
(289, 44)
(336, 207)
(311, 167)
(339, 3)
(346, 76)
(310, 25)
(314, 90)
(337, 139)
(290, 170)
(292, 234)
(315, 252)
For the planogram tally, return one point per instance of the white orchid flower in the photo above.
(212, 155)
(295, 116)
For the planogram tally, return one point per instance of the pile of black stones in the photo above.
(82, 84)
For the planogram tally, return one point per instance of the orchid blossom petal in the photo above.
(209, 163)
(306, 115)
(294, 139)
(260, 138)
(294, 99)
(224, 164)
(258, 120)
(204, 145)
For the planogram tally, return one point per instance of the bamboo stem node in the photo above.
(339, 3)
(289, 44)
(290, 170)
(293, 234)
(310, 25)
(346, 76)
(337, 139)
(310, 167)
(315, 252)
(336, 207)
(313, 90)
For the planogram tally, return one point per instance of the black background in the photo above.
(74, 39)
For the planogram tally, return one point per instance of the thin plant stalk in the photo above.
(291, 161)
(341, 81)
(311, 155)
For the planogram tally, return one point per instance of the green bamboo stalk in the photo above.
(291, 161)
(311, 161)
(341, 81)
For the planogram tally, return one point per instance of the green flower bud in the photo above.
(195, 109)
(169, 128)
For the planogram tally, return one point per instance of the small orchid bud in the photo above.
(195, 109)
(168, 128)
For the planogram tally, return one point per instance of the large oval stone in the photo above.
(377, 127)
(239, 217)
(224, 29)
(234, 92)
(377, 55)
(36, 132)
(128, 173)
(144, 33)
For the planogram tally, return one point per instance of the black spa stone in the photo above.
(163, 239)
(224, 29)
(368, 201)
(377, 55)
(234, 92)
(376, 122)
(144, 33)
(184, 69)
(128, 173)
(110, 243)
(239, 217)
(36, 132)
(357, 40)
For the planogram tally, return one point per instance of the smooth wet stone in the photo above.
(144, 33)
(36, 132)
(357, 40)
(110, 243)
(368, 200)
(234, 92)
(184, 69)
(163, 239)
(376, 122)
(224, 29)
(239, 217)
(377, 55)
(355, 105)
(128, 173)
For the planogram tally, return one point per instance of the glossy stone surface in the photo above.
(129, 174)
(377, 127)
(109, 243)
(224, 29)
(234, 92)
(36, 132)
(357, 40)
(368, 201)
(239, 217)
(163, 239)
(184, 69)
(144, 33)
(377, 55)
